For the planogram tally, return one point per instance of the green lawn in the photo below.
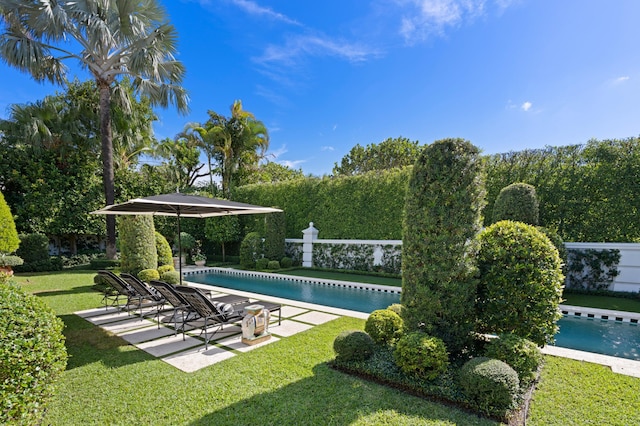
(602, 302)
(284, 383)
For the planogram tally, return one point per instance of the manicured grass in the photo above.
(602, 302)
(331, 275)
(287, 382)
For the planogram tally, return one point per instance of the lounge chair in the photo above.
(121, 288)
(145, 296)
(177, 301)
(212, 315)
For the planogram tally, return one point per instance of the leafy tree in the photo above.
(388, 154)
(9, 240)
(182, 165)
(441, 219)
(271, 172)
(518, 202)
(114, 40)
(222, 230)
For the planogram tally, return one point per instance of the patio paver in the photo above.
(197, 358)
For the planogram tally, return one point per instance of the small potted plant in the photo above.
(7, 262)
(197, 255)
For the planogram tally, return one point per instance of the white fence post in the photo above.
(308, 236)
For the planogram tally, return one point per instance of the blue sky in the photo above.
(326, 75)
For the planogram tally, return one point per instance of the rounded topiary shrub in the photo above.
(250, 250)
(520, 284)
(137, 244)
(165, 268)
(286, 262)
(421, 355)
(517, 202)
(384, 326)
(262, 263)
(490, 385)
(521, 354)
(396, 307)
(32, 355)
(353, 345)
(273, 265)
(9, 241)
(163, 249)
(171, 277)
(147, 275)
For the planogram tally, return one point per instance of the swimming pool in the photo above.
(607, 337)
(344, 297)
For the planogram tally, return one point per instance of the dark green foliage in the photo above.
(171, 277)
(286, 262)
(187, 242)
(262, 264)
(32, 355)
(388, 154)
(517, 202)
(273, 265)
(250, 250)
(353, 345)
(489, 384)
(366, 206)
(520, 282)
(147, 275)
(421, 355)
(9, 240)
(441, 220)
(163, 249)
(557, 241)
(384, 326)
(592, 269)
(33, 248)
(97, 264)
(521, 354)
(222, 230)
(137, 244)
(275, 230)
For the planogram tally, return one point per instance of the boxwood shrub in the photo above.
(165, 268)
(286, 262)
(490, 385)
(384, 326)
(273, 265)
(521, 354)
(421, 355)
(262, 263)
(517, 202)
(147, 275)
(32, 355)
(353, 345)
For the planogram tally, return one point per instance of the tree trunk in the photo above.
(107, 163)
(223, 254)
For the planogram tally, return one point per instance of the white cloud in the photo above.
(278, 152)
(526, 106)
(293, 164)
(621, 79)
(327, 148)
(253, 8)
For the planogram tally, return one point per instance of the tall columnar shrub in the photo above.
(441, 219)
(517, 202)
(250, 250)
(275, 229)
(137, 244)
(32, 355)
(520, 284)
(9, 240)
(163, 249)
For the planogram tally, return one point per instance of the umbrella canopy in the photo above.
(183, 205)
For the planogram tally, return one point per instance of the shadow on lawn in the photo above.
(87, 343)
(71, 291)
(331, 397)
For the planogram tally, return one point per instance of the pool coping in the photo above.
(310, 280)
(604, 314)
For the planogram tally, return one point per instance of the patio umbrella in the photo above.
(182, 205)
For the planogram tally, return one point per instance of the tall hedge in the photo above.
(520, 282)
(32, 355)
(367, 206)
(518, 202)
(163, 249)
(33, 248)
(9, 241)
(441, 220)
(137, 244)
(275, 229)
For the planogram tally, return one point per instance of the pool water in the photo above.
(615, 338)
(321, 294)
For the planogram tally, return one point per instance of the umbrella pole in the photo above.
(179, 248)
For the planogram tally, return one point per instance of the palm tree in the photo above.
(114, 39)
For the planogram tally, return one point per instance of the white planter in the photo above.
(200, 262)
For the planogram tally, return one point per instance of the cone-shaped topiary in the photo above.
(517, 202)
(163, 249)
(9, 241)
(441, 220)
